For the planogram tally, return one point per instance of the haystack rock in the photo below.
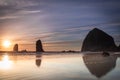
(15, 48)
(39, 47)
(97, 40)
(119, 48)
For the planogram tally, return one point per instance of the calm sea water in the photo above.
(59, 67)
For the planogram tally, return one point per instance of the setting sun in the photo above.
(6, 43)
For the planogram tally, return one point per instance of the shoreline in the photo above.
(56, 53)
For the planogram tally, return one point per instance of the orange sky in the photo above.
(56, 46)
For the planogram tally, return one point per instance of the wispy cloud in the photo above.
(8, 17)
(19, 3)
(29, 11)
(14, 6)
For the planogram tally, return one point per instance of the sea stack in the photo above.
(15, 48)
(119, 48)
(97, 40)
(39, 47)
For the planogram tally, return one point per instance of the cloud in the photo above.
(74, 33)
(8, 17)
(13, 6)
(29, 11)
(19, 3)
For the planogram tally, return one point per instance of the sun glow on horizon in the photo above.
(5, 63)
(6, 43)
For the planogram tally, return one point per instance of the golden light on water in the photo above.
(5, 63)
(6, 43)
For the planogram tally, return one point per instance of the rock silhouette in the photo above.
(97, 40)
(119, 48)
(39, 47)
(15, 48)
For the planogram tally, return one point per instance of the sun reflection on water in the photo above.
(5, 63)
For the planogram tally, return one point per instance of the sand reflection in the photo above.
(99, 65)
(38, 60)
(5, 62)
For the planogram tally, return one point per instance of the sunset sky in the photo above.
(60, 24)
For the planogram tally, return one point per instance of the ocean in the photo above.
(74, 66)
